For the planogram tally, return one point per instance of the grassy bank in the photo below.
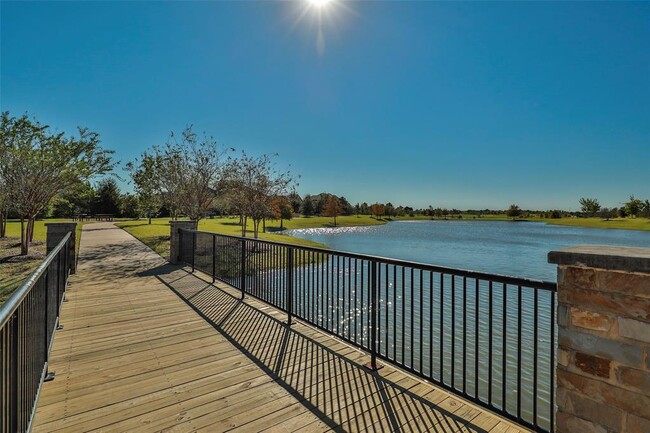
(598, 223)
(14, 269)
(156, 234)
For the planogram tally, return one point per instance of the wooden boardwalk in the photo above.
(148, 346)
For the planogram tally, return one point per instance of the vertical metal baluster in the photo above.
(377, 307)
(193, 249)
(552, 363)
(361, 300)
(14, 374)
(394, 312)
(348, 270)
(411, 319)
(535, 324)
(289, 284)
(490, 314)
(442, 328)
(519, 324)
(214, 259)
(421, 320)
(181, 256)
(338, 294)
(373, 316)
(453, 330)
(464, 335)
(243, 268)
(387, 279)
(503, 347)
(431, 324)
(476, 337)
(403, 324)
(356, 303)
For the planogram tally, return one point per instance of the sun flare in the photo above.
(319, 3)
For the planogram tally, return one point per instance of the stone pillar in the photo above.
(56, 232)
(174, 238)
(603, 360)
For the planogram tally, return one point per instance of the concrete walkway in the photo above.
(148, 346)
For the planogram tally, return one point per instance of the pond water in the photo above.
(494, 342)
(498, 247)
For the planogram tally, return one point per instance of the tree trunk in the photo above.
(31, 222)
(281, 224)
(150, 218)
(243, 225)
(256, 228)
(264, 225)
(3, 223)
(24, 245)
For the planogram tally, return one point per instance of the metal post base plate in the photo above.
(375, 367)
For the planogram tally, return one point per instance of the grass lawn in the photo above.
(14, 269)
(156, 234)
(598, 223)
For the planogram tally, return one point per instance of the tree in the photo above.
(145, 175)
(332, 208)
(252, 183)
(284, 210)
(645, 210)
(633, 206)
(589, 206)
(513, 211)
(131, 207)
(186, 172)
(4, 207)
(377, 210)
(109, 198)
(307, 208)
(37, 165)
(296, 201)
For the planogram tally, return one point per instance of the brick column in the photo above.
(174, 238)
(603, 368)
(56, 232)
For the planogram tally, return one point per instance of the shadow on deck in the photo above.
(323, 374)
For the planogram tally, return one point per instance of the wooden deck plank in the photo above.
(147, 346)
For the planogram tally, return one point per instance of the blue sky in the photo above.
(467, 105)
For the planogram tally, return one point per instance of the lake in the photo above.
(488, 340)
(499, 247)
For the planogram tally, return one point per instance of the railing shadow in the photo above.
(341, 392)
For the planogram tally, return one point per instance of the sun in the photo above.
(319, 3)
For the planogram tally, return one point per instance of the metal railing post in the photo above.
(374, 300)
(289, 285)
(214, 258)
(243, 268)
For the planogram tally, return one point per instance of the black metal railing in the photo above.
(28, 320)
(489, 338)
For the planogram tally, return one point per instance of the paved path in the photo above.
(148, 346)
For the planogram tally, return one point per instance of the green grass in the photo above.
(14, 272)
(599, 223)
(156, 234)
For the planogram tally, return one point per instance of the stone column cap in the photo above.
(629, 259)
(61, 224)
(181, 223)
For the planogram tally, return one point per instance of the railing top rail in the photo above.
(9, 307)
(505, 279)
